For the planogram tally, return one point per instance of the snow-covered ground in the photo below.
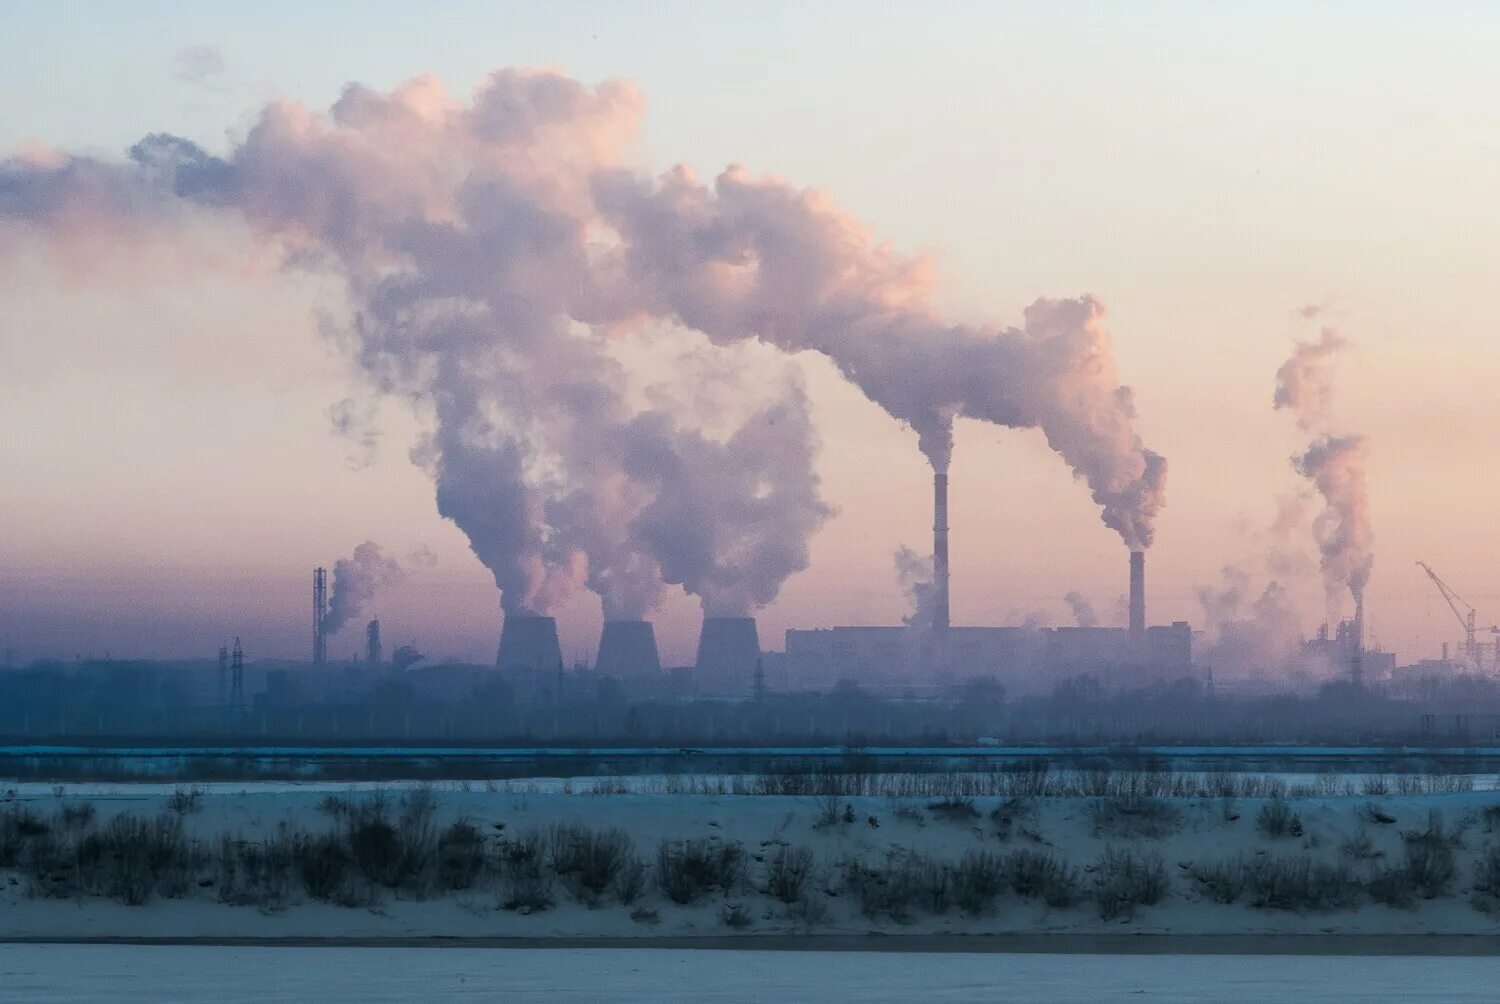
(230, 975)
(872, 830)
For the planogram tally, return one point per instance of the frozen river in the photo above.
(227, 975)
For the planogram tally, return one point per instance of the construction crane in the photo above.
(1463, 610)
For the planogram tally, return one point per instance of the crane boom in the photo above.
(1465, 615)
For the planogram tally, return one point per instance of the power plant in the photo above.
(728, 651)
(628, 649)
(528, 643)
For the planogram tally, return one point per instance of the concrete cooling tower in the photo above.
(728, 651)
(628, 648)
(528, 642)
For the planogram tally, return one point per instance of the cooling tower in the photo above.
(940, 553)
(728, 650)
(628, 648)
(1137, 597)
(529, 642)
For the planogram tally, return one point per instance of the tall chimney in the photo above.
(373, 654)
(940, 552)
(1357, 629)
(1137, 597)
(320, 613)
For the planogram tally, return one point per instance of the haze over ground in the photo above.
(174, 477)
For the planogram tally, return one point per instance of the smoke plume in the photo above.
(914, 573)
(356, 579)
(1334, 465)
(1304, 383)
(1083, 610)
(491, 248)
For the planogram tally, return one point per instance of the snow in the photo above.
(761, 824)
(232, 975)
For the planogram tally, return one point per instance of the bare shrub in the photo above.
(1300, 883)
(1133, 815)
(978, 879)
(257, 873)
(689, 869)
(322, 865)
(1222, 881)
(1430, 862)
(788, 872)
(18, 825)
(184, 801)
(954, 809)
(1040, 874)
(589, 860)
(374, 848)
(1125, 879)
(890, 891)
(131, 858)
(1276, 819)
(525, 883)
(1359, 847)
(1487, 879)
(461, 855)
(631, 881)
(1375, 784)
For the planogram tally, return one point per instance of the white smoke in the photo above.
(490, 249)
(1335, 466)
(1082, 609)
(914, 573)
(356, 580)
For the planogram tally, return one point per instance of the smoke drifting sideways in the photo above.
(356, 580)
(1335, 466)
(490, 250)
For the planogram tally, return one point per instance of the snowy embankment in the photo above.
(420, 862)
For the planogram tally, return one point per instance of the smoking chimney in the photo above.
(628, 648)
(728, 651)
(372, 644)
(320, 614)
(529, 642)
(1357, 629)
(940, 552)
(1137, 598)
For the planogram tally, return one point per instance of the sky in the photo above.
(168, 474)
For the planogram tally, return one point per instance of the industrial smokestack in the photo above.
(628, 648)
(373, 652)
(940, 552)
(1137, 598)
(1357, 629)
(320, 615)
(529, 642)
(728, 651)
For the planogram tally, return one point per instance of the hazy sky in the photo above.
(167, 471)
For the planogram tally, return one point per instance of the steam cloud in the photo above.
(914, 572)
(490, 250)
(1083, 610)
(356, 579)
(1334, 464)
